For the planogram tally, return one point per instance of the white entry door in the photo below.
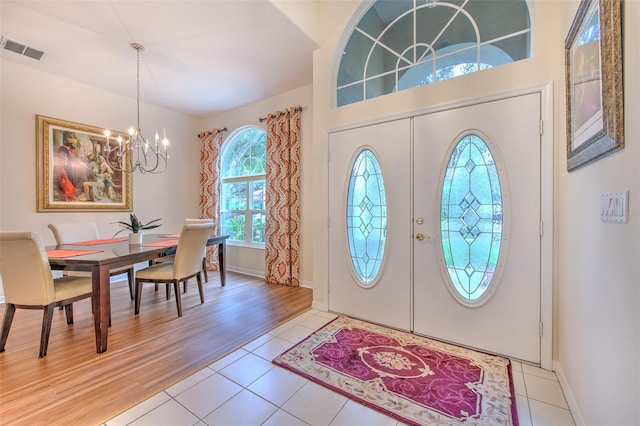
(508, 322)
(411, 291)
(386, 299)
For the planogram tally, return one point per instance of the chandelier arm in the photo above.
(134, 153)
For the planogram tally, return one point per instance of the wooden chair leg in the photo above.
(130, 277)
(9, 311)
(68, 310)
(200, 288)
(168, 290)
(184, 286)
(138, 297)
(176, 286)
(47, 318)
(204, 269)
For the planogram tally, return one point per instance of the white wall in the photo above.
(251, 260)
(596, 265)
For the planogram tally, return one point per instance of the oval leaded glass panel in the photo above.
(366, 217)
(471, 219)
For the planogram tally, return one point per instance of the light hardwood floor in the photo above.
(74, 385)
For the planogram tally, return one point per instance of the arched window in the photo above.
(243, 168)
(401, 44)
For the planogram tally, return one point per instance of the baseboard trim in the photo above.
(260, 274)
(568, 394)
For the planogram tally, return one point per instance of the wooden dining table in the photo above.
(100, 256)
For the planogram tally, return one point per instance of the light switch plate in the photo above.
(615, 207)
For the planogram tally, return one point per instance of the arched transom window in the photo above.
(401, 44)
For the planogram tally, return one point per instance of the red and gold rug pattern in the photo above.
(416, 380)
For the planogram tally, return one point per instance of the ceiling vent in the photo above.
(21, 49)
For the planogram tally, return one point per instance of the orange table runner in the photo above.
(62, 253)
(162, 243)
(170, 236)
(96, 242)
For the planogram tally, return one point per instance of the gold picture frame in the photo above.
(594, 83)
(72, 172)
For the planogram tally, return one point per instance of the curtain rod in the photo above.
(261, 119)
(224, 129)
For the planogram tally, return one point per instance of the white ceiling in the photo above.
(200, 57)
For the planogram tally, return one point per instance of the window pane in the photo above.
(380, 85)
(417, 75)
(257, 195)
(513, 48)
(381, 61)
(381, 14)
(402, 35)
(234, 196)
(257, 223)
(497, 18)
(245, 154)
(355, 55)
(233, 225)
(351, 94)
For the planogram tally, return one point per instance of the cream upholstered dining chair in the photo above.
(186, 264)
(29, 284)
(169, 256)
(204, 252)
(66, 233)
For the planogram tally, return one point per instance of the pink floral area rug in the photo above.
(415, 380)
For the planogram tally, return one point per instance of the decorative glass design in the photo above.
(401, 44)
(471, 222)
(366, 217)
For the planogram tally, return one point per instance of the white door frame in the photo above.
(546, 201)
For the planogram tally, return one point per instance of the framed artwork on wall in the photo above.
(72, 172)
(594, 83)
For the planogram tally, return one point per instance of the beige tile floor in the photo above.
(244, 389)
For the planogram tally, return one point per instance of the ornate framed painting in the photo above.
(72, 171)
(594, 83)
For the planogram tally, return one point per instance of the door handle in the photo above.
(420, 236)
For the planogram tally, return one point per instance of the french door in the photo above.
(387, 301)
(413, 291)
(509, 321)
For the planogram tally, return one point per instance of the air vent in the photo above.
(21, 49)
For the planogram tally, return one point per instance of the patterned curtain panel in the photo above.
(209, 204)
(282, 198)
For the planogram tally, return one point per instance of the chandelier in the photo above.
(136, 153)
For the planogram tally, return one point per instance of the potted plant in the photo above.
(135, 226)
